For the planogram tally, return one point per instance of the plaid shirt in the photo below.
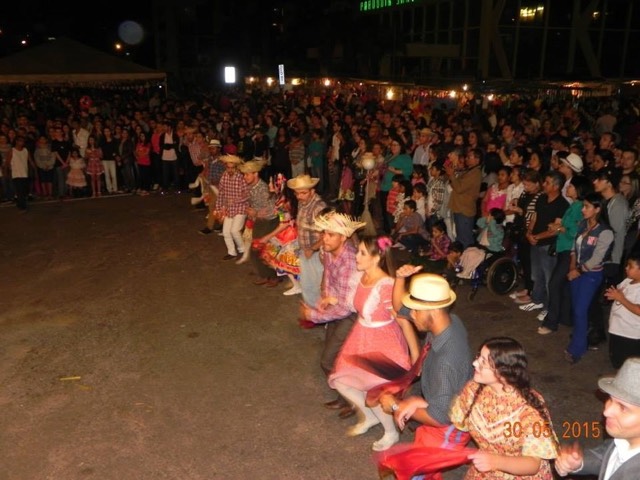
(216, 169)
(306, 214)
(234, 194)
(337, 282)
(262, 201)
(437, 190)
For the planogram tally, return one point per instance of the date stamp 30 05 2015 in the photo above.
(570, 430)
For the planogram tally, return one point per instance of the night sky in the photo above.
(36, 21)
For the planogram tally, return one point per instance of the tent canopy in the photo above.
(65, 61)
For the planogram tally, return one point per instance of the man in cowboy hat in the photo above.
(262, 210)
(214, 171)
(310, 204)
(232, 202)
(618, 458)
(447, 366)
(334, 308)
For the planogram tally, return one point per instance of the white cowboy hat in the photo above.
(429, 291)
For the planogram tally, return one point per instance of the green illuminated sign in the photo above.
(369, 5)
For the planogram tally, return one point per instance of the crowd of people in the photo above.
(292, 181)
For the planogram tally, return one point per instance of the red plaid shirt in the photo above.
(234, 194)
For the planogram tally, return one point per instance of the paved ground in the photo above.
(129, 350)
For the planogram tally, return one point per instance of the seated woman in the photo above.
(376, 331)
(592, 246)
(506, 418)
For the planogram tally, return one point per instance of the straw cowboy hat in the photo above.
(231, 159)
(626, 384)
(252, 166)
(302, 182)
(214, 142)
(337, 223)
(429, 291)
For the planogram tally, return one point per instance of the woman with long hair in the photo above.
(592, 246)
(376, 333)
(507, 419)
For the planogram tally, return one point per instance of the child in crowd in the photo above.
(436, 255)
(420, 197)
(439, 191)
(76, 180)
(392, 197)
(624, 319)
(405, 193)
(418, 175)
(409, 231)
(345, 193)
(491, 230)
(453, 262)
(496, 196)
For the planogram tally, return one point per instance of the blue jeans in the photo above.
(583, 289)
(310, 278)
(542, 265)
(464, 229)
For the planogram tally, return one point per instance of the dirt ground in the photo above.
(129, 350)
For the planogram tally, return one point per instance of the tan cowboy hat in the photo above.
(302, 182)
(231, 159)
(429, 291)
(426, 131)
(214, 142)
(252, 166)
(338, 223)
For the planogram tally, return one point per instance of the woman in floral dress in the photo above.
(506, 418)
(279, 249)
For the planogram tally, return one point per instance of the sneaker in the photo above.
(529, 307)
(205, 231)
(292, 291)
(542, 315)
(387, 441)
(544, 331)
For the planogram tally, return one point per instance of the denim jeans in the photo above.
(464, 229)
(542, 265)
(310, 278)
(583, 290)
(559, 293)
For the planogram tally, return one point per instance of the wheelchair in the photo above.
(498, 271)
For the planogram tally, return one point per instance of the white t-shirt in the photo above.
(621, 321)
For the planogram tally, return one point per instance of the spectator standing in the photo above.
(465, 189)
